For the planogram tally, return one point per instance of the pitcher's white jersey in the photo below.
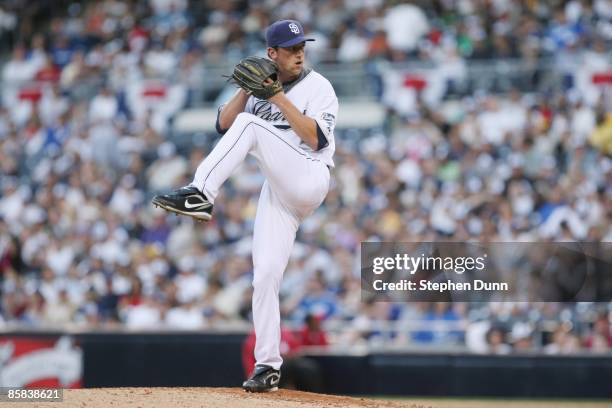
(314, 96)
(297, 180)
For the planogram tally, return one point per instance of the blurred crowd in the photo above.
(167, 31)
(84, 144)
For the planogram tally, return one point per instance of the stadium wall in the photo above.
(122, 359)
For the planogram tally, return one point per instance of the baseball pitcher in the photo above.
(283, 115)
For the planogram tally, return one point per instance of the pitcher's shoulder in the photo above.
(319, 81)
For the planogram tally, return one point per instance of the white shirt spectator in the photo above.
(103, 107)
(168, 170)
(15, 73)
(155, 109)
(97, 281)
(582, 124)
(111, 250)
(187, 317)
(71, 72)
(74, 197)
(148, 274)
(124, 70)
(76, 291)
(161, 62)
(121, 285)
(162, 7)
(441, 215)
(190, 285)
(182, 240)
(552, 227)
(33, 244)
(593, 62)
(495, 122)
(50, 290)
(104, 142)
(126, 197)
(143, 316)
(229, 299)
(59, 312)
(513, 116)
(353, 48)
(405, 25)
(11, 205)
(52, 105)
(8, 21)
(59, 258)
(409, 172)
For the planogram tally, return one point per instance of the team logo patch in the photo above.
(294, 28)
(329, 119)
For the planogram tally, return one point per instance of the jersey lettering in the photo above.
(314, 96)
(263, 109)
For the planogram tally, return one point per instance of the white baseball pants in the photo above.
(296, 184)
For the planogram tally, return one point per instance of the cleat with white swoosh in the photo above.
(264, 379)
(186, 200)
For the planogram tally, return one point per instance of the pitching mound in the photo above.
(208, 397)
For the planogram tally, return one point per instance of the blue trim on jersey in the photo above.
(217, 124)
(282, 127)
(322, 141)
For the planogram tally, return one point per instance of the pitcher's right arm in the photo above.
(228, 112)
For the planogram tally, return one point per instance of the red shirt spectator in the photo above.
(290, 344)
(49, 72)
(312, 334)
(601, 331)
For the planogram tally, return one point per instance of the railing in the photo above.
(378, 335)
(363, 80)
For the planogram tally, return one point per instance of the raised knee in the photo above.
(245, 117)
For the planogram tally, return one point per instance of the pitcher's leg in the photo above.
(196, 200)
(273, 238)
(287, 167)
(296, 178)
(229, 152)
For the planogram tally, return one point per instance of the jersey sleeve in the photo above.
(248, 108)
(217, 124)
(323, 108)
(249, 105)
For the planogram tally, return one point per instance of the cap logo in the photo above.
(294, 28)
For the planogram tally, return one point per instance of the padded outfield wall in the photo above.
(119, 359)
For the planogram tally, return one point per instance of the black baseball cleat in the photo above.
(264, 379)
(186, 200)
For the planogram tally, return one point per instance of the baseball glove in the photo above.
(250, 74)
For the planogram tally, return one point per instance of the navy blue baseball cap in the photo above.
(285, 33)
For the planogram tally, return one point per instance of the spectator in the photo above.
(600, 338)
(289, 346)
(458, 160)
(190, 285)
(312, 334)
(496, 340)
(601, 138)
(188, 316)
(440, 320)
(59, 311)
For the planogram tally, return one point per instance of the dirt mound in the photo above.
(209, 397)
